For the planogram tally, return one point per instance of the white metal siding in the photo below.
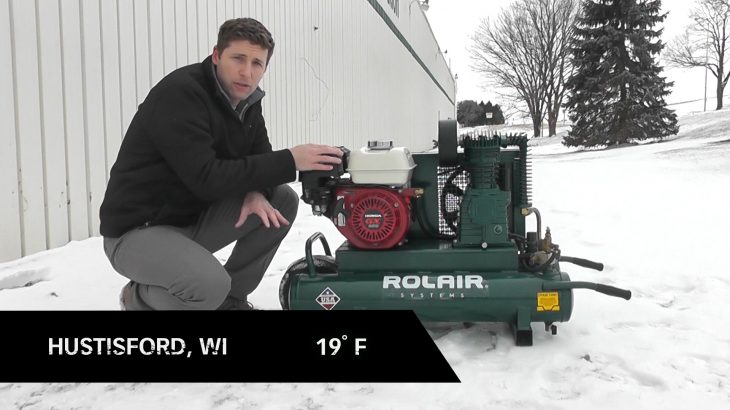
(74, 72)
(73, 110)
(51, 103)
(11, 236)
(28, 125)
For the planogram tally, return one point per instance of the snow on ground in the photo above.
(653, 213)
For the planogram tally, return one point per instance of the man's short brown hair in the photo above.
(245, 29)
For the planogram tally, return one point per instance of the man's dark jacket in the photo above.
(186, 148)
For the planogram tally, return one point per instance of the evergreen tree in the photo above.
(616, 94)
(498, 115)
(488, 108)
(483, 109)
(468, 113)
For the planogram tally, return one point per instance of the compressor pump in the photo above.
(440, 233)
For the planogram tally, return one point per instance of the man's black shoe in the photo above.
(232, 303)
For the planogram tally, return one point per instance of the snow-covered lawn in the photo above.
(654, 214)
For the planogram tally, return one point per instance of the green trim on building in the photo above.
(379, 9)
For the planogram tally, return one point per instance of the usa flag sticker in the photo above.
(328, 299)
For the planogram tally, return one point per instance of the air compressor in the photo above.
(441, 233)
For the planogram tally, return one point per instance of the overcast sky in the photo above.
(454, 21)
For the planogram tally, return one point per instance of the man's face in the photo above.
(240, 68)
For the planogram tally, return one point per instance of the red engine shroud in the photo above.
(372, 218)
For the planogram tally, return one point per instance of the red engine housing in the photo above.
(372, 218)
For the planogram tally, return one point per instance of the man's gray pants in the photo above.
(173, 268)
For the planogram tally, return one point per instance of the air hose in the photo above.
(598, 287)
(582, 262)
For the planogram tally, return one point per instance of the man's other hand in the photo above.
(313, 157)
(256, 203)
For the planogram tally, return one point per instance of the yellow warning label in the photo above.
(548, 302)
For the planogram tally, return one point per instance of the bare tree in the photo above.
(506, 51)
(524, 54)
(554, 20)
(705, 43)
